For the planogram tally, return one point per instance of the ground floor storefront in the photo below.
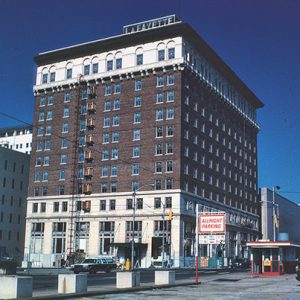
(163, 231)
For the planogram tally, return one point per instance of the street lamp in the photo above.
(274, 212)
(133, 219)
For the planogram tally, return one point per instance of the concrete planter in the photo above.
(72, 283)
(12, 287)
(164, 277)
(128, 279)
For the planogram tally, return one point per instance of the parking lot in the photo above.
(223, 286)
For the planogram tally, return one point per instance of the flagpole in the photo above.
(197, 242)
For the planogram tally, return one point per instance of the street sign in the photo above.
(211, 239)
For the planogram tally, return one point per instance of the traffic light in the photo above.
(170, 215)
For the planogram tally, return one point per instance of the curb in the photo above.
(114, 291)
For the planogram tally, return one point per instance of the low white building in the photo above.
(17, 138)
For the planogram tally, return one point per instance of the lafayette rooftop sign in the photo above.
(150, 24)
(212, 223)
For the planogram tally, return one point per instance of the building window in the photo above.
(112, 204)
(65, 206)
(159, 131)
(42, 101)
(137, 117)
(52, 76)
(129, 204)
(56, 207)
(115, 153)
(158, 149)
(136, 151)
(161, 55)
(107, 90)
(62, 174)
(63, 159)
(43, 207)
(106, 122)
(40, 130)
(41, 116)
(169, 183)
(169, 148)
(95, 68)
(171, 53)
(47, 145)
(86, 70)
(135, 169)
(138, 85)
(170, 113)
(159, 97)
(159, 81)
(69, 73)
(170, 130)
(135, 185)
(113, 187)
(170, 96)
(117, 88)
(104, 171)
(115, 137)
(49, 115)
(114, 170)
(109, 65)
(139, 203)
(61, 189)
(169, 166)
(136, 134)
(48, 130)
(103, 187)
(35, 207)
(37, 177)
(116, 121)
(45, 78)
(64, 143)
(158, 167)
(105, 154)
(102, 204)
(157, 202)
(50, 100)
(66, 112)
(157, 184)
(65, 128)
(107, 105)
(170, 79)
(159, 115)
(168, 202)
(119, 63)
(137, 101)
(117, 104)
(139, 59)
(67, 97)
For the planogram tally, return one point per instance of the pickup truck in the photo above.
(93, 265)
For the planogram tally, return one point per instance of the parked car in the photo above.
(240, 263)
(93, 265)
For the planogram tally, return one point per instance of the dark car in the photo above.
(93, 265)
(240, 263)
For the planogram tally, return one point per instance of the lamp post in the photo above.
(163, 239)
(133, 220)
(274, 211)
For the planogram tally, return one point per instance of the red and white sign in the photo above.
(212, 223)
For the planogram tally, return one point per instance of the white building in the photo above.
(17, 138)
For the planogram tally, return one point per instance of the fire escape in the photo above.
(82, 169)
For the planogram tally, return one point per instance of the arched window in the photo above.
(139, 56)
(95, 64)
(118, 58)
(52, 74)
(161, 52)
(86, 67)
(45, 75)
(69, 70)
(171, 50)
(109, 62)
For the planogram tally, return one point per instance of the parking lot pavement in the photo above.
(226, 287)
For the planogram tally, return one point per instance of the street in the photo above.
(214, 285)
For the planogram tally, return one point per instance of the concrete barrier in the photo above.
(72, 283)
(128, 279)
(12, 287)
(164, 277)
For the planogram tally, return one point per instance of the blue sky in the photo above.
(258, 39)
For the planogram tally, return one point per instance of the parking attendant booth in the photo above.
(273, 258)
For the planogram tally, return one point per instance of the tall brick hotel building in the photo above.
(155, 110)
